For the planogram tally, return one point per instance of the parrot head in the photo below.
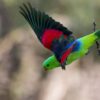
(51, 63)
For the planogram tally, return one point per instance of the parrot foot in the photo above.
(98, 47)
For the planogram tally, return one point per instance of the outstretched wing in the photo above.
(46, 28)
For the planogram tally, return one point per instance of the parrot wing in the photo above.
(46, 28)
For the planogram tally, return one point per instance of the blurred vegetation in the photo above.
(21, 55)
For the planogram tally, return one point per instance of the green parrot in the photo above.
(52, 34)
(57, 38)
(81, 48)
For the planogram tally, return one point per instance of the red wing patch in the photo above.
(66, 54)
(49, 35)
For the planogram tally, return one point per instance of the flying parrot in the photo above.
(53, 35)
(81, 48)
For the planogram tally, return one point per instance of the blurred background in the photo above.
(21, 54)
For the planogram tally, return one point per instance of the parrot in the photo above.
(52, 34)
(81, 48)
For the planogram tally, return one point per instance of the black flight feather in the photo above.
(40, 21)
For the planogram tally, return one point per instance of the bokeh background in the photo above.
(21, 54)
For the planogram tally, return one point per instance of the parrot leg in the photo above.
(98, 47)
(97, 43)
